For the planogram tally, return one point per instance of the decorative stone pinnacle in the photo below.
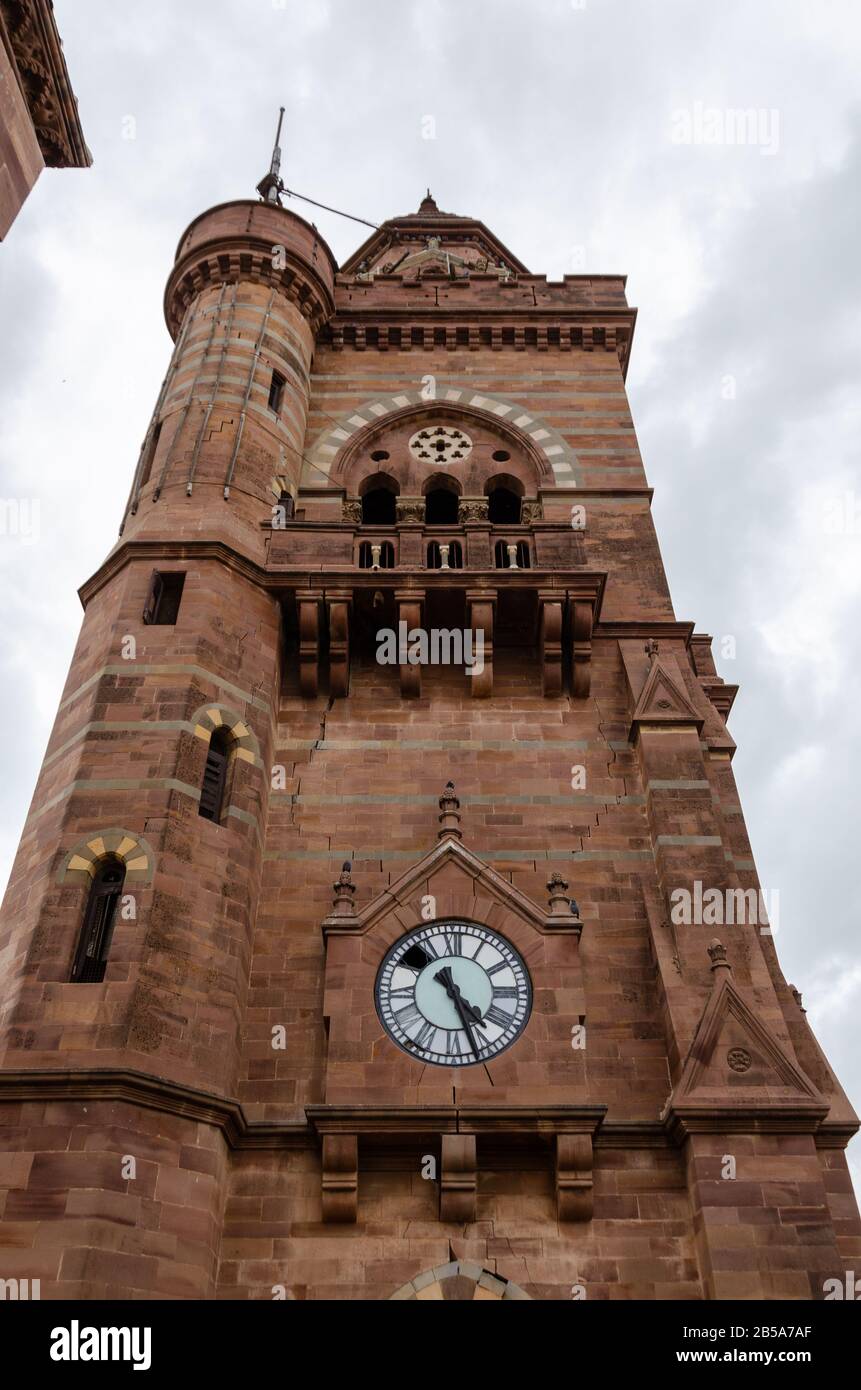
(717, 953)
(557, 887)
(428, 204)
(449, 819)
(344, 889)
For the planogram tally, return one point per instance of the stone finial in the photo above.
(717, 954)
(449, 818)
(343, 904)
(557, 887)
(651, 649)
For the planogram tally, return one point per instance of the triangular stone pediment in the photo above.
(449, 857)
(663, 701)
(735, 1061)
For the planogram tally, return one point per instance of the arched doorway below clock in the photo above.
(461, 1281)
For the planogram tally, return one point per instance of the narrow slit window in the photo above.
(215, 776)
(150, 455)
(94, 943)
(164, 597)
(276, 392)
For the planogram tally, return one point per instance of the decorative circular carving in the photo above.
(739, 1059)
(440, 444)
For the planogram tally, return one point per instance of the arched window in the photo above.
(504, 559)
(378, 507)
(503, 507)
(379, 493)
(504, 494)
(445, 555)
(441, 507)
(94, 943)
(385, 560)
(215, 775)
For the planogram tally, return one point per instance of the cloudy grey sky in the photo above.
(563, 126)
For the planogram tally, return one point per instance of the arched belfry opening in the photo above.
(504, 495)
(441, 494)
(378, 495)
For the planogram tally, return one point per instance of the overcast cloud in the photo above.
(558, 124)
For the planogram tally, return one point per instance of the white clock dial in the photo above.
(453, 994)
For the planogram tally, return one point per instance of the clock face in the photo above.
(453, 993)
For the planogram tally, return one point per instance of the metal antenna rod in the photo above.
(270, 187)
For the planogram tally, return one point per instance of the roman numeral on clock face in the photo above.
(499, 1017)
(505, 992)
(424, 1035)
(405, 1018)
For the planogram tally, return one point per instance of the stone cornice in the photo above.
(173, 1098)
(797, 1117)
(29, 33)
(154, 1093)
(489, 1119)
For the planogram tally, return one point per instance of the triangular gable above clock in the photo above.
(460, 884)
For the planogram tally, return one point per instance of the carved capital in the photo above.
(410, 511)
(472, 509)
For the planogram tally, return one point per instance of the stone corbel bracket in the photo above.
(574, 1200)
(458, 1184)
(338, 604)
(309, 603)
(340, 1178)
(566, 619)
(410, 604)
(460, 1132)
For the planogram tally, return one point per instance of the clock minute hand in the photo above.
(444, 977)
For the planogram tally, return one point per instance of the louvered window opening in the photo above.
(214, 780)
(92, 955)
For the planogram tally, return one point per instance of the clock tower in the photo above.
(384, 924)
